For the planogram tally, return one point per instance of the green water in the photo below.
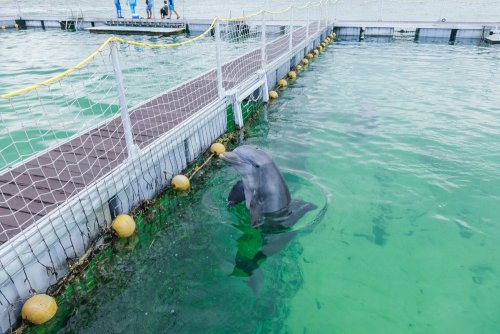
(400, 143)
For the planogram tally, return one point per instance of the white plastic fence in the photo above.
(92, 142)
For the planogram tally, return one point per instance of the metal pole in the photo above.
(264, 42)
(319, 15)
(307, 22)
(290, 46)
(127, 127)
(220, 88)
(380, 10)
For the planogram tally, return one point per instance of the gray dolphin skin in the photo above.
(263, 189)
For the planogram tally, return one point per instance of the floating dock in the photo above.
(450, 30)
(127, 30)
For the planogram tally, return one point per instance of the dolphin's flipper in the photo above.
(275, 242)
(299, 208)
(236, 195)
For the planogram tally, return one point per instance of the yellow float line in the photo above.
(81, 64)
(60, 75)
(151, 45)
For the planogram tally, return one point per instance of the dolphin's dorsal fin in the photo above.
(236, 195)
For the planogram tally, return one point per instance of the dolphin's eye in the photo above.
(256, 166)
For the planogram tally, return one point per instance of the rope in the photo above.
(96, 53)
(58, 77)
(152, 45)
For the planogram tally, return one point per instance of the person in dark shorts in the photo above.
(164, 10)
(149, 8)
(171, 9)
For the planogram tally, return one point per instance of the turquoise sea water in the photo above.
(398, 143)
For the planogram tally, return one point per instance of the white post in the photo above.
(264, 42)
(307, 23)
(265, 89)
(238, 113)
(319, 18)
(127, 127)
(220, 88)
(380, 10)
(290, 46)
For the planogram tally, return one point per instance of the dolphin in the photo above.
(263, 189)
(272, 210)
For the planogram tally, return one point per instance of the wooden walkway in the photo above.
(38, 186)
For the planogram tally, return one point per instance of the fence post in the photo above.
(265, 88)
(290, 46)
(127, 127)
(319, 18)
(220, 88)
(307, 23)
(264, 42)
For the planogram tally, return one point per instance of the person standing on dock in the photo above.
(171, 9)
(149, 8)
(164, 10)
(132, 4)
(118, 9)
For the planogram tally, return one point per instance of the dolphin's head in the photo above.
(261, 180)
(247, 160)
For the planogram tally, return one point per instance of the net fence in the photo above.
(99, 138)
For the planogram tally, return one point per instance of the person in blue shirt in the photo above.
(118, 9)
(149, 8)
(132, 4)
(171, 9)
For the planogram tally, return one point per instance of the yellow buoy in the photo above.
(316, 52)
(298, 68)
(305, 62)
(180, 182)
(321, 49)
(3, 28)
(310, 56)
(292, 75)
(123, 225)
(282, 83)
(334, 35)
(273, 95)
(217, 148)
(39, 309)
